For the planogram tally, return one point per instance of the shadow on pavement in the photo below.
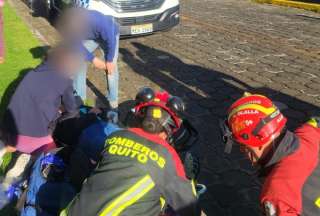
(233, 188)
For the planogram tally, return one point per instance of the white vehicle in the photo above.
(136, 17)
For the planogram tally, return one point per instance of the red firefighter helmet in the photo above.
(254, 120)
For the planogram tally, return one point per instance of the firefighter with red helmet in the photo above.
(288, 161)
(139, 171)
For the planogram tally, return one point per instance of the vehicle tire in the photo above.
(37, 7)
(50, 12)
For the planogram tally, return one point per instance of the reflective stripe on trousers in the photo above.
(129, 197)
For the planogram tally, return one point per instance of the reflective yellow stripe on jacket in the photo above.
(133, 194)
(313, 122)
(65, 211)
(317, 202)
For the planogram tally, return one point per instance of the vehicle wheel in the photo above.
(50, 11)
(37, 7)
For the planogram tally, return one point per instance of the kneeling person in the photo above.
(288, 161)
(138, 173)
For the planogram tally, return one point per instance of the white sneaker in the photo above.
(15, 174)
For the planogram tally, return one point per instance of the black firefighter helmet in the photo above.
(158, 111)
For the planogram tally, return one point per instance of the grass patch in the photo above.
(6, 161)
(20, 56)
(19, 42)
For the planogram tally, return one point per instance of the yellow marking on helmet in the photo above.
(246, 94)
(260, 95)
(156, 113)
(258, 107)
(157, 100)
(317, 202)
(312, 122)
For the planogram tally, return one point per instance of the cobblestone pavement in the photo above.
(221, 49)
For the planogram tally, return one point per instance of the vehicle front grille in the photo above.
(134, 5)
(138, 20)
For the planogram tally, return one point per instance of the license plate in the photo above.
(141, 29)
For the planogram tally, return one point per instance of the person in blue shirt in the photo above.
(57, 176)
(91, 30)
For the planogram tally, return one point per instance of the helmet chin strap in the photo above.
(254, 159)
(226, 136)
(167, 129)
(228, 146)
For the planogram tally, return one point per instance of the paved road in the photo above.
(221, 49)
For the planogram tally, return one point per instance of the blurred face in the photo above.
(67, 62)
(73, 24)
(71, 64)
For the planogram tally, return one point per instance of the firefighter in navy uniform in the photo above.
(289, 162)
(139, 171)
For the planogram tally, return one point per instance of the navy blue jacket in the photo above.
(36, 102)
(103, 29)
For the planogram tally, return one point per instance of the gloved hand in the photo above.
(191, 165)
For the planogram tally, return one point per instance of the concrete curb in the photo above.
(297, 4)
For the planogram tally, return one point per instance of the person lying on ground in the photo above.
(86, 135)
(57, 175)
(138, 171)
(288, 161)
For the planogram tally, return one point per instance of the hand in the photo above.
(110, 67)
(95, 110)
(100, 64)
